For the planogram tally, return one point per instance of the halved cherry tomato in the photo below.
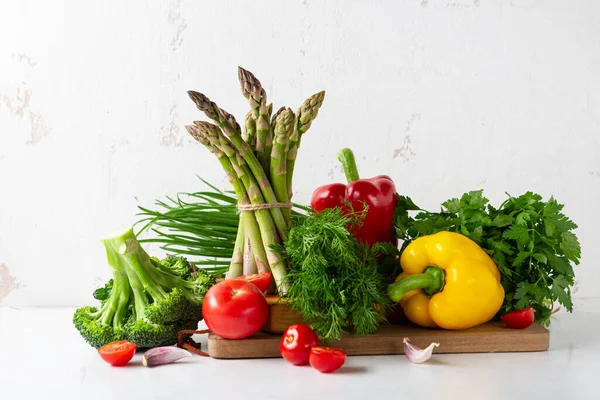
(296, 343)
(118, 353)
(261, 280)
(326, 359)
(519, 319)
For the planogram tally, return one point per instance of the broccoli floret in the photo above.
(96, 333)
(148, 301)
(204, 280)
(178, 266)
(168, 310)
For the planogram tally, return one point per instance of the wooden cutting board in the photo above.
(486, 338)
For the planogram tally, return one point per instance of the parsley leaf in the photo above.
(560, 288)
(519, 234)
(502, 220)
(570, 246)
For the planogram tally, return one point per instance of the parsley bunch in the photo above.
(334, 281)
(530, 240)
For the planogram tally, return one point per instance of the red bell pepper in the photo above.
(378, 193)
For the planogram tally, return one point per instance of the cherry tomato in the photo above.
(296, 343)
(118, 353)
(261, 280)
(326, 359)
(235, 309)
(519, 319)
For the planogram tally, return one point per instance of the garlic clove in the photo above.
(416, 354)
(163, 355)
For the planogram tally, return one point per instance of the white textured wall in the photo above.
(444, 96)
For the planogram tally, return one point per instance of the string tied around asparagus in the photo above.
(265, 206)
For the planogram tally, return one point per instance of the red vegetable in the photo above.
(261, 280)
(234, 309)
(378, 193)
(519, 319)
(296, 343)
(326, 359)
(117, 353)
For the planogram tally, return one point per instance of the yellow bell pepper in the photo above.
(448, 282)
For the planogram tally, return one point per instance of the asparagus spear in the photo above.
(248, 221)
(249, 261)
(249, 135)
(248, 83)
(262, 131)
(267, 228)
(257, 97)
(236, 267)
(304, 117)
(232, 129)
(284, 126)
(269, 145)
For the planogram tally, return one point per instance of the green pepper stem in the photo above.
(431, 281)
(346, 157)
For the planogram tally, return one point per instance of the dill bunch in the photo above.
(334, 281)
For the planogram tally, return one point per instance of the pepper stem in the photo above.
(346, 157)
(431, 281)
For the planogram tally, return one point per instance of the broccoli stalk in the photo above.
(148, 301)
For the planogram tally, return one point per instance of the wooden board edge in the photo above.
(536, 339)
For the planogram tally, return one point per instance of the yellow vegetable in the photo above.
(448, 282)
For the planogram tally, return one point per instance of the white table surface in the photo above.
(43, 357)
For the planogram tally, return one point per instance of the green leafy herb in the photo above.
(530, 240)
(334, 281)
(104, 292)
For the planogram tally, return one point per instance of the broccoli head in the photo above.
(148, 301)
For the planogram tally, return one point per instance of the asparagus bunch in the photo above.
(259, 163)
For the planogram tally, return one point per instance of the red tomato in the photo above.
(118, 353)
(261, 280)
(296, 343)
(326, 359)
(519, 319)
(234, 309)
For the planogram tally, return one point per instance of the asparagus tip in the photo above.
(248, 81)
(274, 118)
(193, 94)
(201, 101)
(192, 130)
(319, 96)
